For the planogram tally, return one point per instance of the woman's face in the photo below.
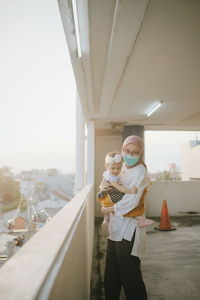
(133, 150)
(131, 155)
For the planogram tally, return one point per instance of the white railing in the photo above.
(56, 262)
(181, 196)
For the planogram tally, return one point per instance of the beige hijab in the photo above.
(137, 140)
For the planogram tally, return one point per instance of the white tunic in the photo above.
(124, 227)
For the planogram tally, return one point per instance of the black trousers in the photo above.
(123, 269)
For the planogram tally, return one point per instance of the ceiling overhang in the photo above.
(134, 54)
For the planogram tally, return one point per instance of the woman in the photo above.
(126, 239)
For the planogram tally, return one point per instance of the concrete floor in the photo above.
(171, 267)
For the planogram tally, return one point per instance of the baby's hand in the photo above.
(134, 190)
(113, 183)
(106, 186)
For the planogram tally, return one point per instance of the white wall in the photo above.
(181, 196)
(190, 161)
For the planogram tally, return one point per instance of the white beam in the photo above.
(81, 65)
(80, 147)
(127, 21)
(90, 151)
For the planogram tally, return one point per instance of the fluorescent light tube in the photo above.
(154, 109)
(77, 32)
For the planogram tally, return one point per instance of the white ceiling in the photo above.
(135, 53)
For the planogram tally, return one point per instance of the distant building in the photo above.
(64, 184)
(5, 171)
(191, 160)
(52, 172)
(172, 172)
(46, 181)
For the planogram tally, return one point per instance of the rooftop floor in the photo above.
(171, 267)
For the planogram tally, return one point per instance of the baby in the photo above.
(115, 191)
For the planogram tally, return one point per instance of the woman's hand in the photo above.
(107, 210)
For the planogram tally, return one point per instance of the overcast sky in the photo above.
(164, 147)
(37, 88)
(37, 94)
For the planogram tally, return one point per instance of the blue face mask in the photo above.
(130, 160)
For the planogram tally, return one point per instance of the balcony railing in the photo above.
(56, 262)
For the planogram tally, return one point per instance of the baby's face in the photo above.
(114, 169)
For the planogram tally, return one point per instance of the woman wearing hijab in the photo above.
(126, 241)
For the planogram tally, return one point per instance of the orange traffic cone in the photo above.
(164, 219)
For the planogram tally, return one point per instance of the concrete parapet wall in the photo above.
(56, 262)
(181, 196)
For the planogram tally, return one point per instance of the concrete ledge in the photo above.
(33, 271)
(181, 196)
(170, 268)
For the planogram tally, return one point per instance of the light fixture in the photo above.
(76, 24)
(154, 109)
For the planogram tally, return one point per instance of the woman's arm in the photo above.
(130, 201)
(123, 189)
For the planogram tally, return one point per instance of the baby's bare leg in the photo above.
(105, 225)
(106, 219)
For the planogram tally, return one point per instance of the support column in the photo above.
(80, 147)
(133, 130)
(90, 151)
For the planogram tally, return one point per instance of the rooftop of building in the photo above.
(171, 266)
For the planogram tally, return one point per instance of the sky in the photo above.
(164, 147)
(37, 94)
(37, 89)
